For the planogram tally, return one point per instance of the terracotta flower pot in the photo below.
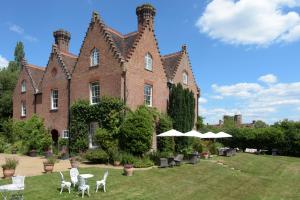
(8, 173)
(128, 170)
(117, 163)
(48, 167)
(205, 155)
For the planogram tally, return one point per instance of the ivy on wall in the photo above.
(109, 114)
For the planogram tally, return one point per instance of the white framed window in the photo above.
(95, 57)
(92, 130)
(65, 134)
(148, 95)
(54, 99)
(148, 62)
(185, 78)
(23, 86)
(23, 109)
(94, 92)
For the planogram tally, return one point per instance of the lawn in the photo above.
(253, 178)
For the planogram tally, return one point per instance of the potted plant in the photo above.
(116, 157)
(74, 161)
(49, 164)
(63, 145)
(9, 167)
(128, 169)
(205, 154)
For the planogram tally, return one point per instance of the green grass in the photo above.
(260, 177)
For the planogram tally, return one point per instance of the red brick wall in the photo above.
(54, 119)
(184, 66)
(28, 97)
(137, 75)
(108, 72)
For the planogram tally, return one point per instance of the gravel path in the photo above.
(32, 166)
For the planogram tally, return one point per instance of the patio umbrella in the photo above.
(171, 133)
(223, 135)
(209, 135)
(193, 133)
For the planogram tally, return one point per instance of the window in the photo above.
(92, 131)
(148, 95)
(23, 109)
(185, 78)
(94, 58)
(94, 93)
(23, 86)
(148, 62)
(54, 99)
(65, 134)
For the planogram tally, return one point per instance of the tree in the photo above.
(200, 124)
(260, 124)
(8, 80)
(181, 109)
(19, 53)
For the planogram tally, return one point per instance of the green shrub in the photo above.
(197, 146)
(63, 142)
(105, 139)
(136, 132)
(127, 158)
(164, 143)
(51, 160)
(96, 156)
(213, 147)
(10, 163)
(143, 162)
(3, 145)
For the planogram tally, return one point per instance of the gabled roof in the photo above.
(123, 42)
(170, 63)
(69, 60)
(35, 74)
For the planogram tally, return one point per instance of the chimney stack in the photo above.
(145, 14)
(62, 39)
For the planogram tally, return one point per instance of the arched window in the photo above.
(95, 57)
(185, 78)
(23, 86)
(148, 62)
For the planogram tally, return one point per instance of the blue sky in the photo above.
(244, 53)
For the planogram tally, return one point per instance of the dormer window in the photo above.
(95, 57)
(23, 86)
(185, 78)
(148, 62)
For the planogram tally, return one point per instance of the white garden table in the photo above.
(6, 190)
(86, 176)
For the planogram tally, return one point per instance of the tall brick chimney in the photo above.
(145, 13)
(62, 39)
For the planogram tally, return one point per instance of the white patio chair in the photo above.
(102, 182)
(64, 184)
(17, 186)
(74, 176)
(83, 186)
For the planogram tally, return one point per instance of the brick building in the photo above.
(109, 64)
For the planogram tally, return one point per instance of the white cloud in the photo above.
(238, 90)
(255, 101)
(19, 30)
(3, 62)
(30, 38)
(15, 28)
(217, 97)
(202, 100)
(251, 22)
(269, 78)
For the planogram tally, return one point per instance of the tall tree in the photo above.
(19, 52)
(8, 79)
(181, 109)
